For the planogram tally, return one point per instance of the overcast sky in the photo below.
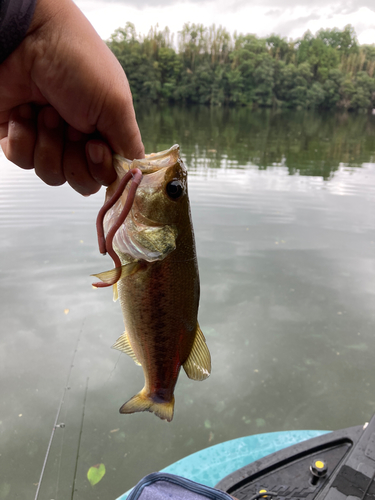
(289, 18)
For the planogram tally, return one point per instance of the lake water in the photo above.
(284, 215)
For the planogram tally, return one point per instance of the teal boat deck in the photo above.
(212, 464)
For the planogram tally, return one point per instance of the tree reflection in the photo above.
(305, 142)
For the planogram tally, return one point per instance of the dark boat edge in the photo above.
(336, 465)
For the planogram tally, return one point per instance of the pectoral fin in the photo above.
(123, 344)
(115, 293)
(158, 240)
(126, 270)
(198, 364)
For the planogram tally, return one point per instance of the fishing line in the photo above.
(79, 438)
(60, 455)
(113, 370)
(66, 402)
(56, 425)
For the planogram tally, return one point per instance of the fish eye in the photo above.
(174, 189)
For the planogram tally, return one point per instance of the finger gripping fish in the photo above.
(156, 275)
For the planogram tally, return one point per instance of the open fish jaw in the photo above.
(141, 237)
(150, 163)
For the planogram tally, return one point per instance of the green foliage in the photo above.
(328, 70)
(95, 474)
(344, 41)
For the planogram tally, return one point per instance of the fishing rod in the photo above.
(56, 425)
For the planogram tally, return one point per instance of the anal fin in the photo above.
(123, 344)
(198, 364)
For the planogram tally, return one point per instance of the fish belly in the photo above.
(160, 306)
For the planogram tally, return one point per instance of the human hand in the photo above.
(65, 102)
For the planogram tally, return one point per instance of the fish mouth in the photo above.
(151, 162)
(165, 166)
(148, 231)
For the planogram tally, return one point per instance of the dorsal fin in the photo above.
(123, 344)
(198, 364)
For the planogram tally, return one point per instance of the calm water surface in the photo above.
(284, 216)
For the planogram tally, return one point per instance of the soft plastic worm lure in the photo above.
(105, 243)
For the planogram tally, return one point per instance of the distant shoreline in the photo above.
(328, 70)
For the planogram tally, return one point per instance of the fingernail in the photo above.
(74, 135)
(25, 111)
(51, 118)
(96, 152)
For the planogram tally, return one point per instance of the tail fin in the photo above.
(142, 402)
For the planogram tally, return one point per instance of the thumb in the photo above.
(117, 120)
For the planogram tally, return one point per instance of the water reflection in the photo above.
(287, 265)
(307, 143)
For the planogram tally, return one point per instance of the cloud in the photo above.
(290, 25)
(138, 4)
(262, 17)
(367, 36)
(273, 12)
(342, 6)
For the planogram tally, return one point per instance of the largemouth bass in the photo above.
(158, 287)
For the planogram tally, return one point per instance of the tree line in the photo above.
(211, 66)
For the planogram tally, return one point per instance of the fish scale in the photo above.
(159, 284)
